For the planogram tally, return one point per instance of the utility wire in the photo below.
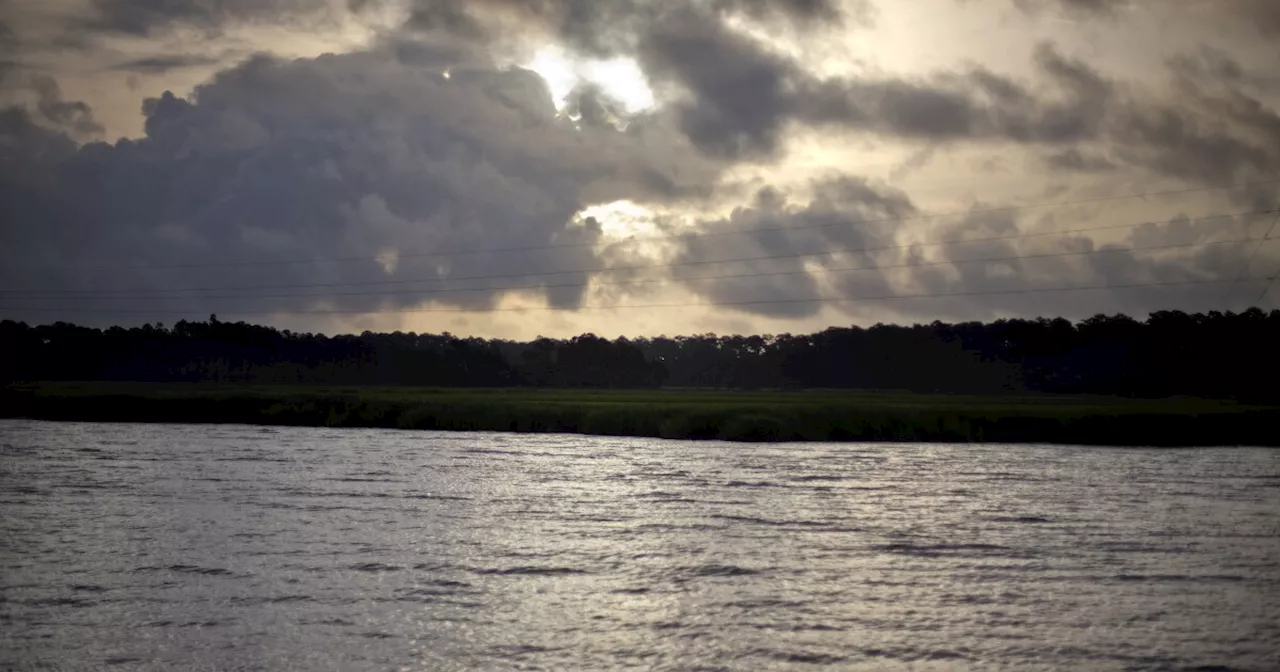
(1248, 263)
(1265, 288)
(819, 300)
(923, 264)
(634, 239)
(157, 293)
(1245, 268)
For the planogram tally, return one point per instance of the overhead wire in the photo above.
(161, 292)
(921, 264)
(671, 236)
(521, 309)
(1245, 268)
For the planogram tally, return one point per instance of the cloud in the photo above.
(148, 17)
(41, 95)
(424, 142)
(1212, 131)
(1076, 8)
(865, 249)
(738, 92)
(735, 94)
(71, 114)
(163, 64)
(614, 27)
(805, 12)
(738, 99)
(377, 157)
(786, 242)
(1074, 160)
(373, 155)
(974, 105)
(1261, 15)
(27, 149)
(1153, 265)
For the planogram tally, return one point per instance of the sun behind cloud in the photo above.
(619, 78)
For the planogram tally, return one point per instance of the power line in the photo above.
(1265, 288)
(1245, 269)
(885, 297)
(153, 293)
(635, 239)
(1249, 263)
(1048, 255)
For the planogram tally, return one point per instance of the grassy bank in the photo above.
(739, 416)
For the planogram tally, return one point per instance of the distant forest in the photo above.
(1231, 355)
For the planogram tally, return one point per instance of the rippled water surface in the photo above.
(229, 547)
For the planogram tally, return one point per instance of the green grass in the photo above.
(814, 415)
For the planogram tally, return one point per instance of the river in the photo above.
(156, 547)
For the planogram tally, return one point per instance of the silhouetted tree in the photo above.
(1171, 353)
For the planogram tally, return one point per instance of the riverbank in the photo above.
(671, 414)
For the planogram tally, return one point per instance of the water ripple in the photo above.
(153, 547)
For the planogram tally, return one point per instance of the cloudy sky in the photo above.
(634, 167)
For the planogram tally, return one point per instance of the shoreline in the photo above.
(507, 432)
(800, 416)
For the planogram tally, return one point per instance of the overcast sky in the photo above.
(634, 167)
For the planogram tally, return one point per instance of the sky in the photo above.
(508, 168)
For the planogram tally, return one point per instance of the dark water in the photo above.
(245, 548)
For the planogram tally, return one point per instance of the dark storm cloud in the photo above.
(588, 26)
(1094, 6)
(740, 95)
(806, 12)
(448, 16)
(380, 154)
(844, 247)
(783, 240)
(146, 17)
(27, 149)
(162, 64)
(593, 107)
(1076, 161)
(1171, 143)
(47, 103)
(989, 279)
(1263, 15)
(358, 155)
(612, 26)
(736, 98)
(976, 105)
(1076, 8)
(74, 115)
(1214, 131)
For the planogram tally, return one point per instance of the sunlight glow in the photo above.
(557, 72)
(620, 78)
(621, 219)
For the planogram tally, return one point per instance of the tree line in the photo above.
(1233, 355)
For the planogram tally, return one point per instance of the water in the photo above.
(246, 548)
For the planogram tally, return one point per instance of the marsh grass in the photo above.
(816, 415)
